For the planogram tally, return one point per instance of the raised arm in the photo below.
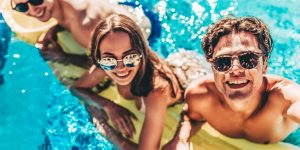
(121, 117)
(291, 93)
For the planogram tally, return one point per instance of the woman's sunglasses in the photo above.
(247, 60)
(110, 63)
(23, 7)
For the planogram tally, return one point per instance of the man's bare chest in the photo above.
(263, 127)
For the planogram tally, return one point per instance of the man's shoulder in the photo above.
(275, 83)
(282, 88)
(77, 5)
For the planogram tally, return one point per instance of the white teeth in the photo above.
(237, 82)
(122, 75)
(40, 14)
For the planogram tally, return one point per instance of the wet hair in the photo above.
(150, 65)
(230, 25)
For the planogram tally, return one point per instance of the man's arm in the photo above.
(191, 120)
(288, 92)
(294, 112)
(291, 92)
(185, 130)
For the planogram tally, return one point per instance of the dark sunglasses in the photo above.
(247, 60)
(110, 63)
(23, 7)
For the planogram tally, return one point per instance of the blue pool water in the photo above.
(37, 112)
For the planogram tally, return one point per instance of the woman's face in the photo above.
(117, 46)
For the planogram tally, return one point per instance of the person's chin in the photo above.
(239, 95)
(45, 16)
(44, 19)
(238, 91)
(123, 82)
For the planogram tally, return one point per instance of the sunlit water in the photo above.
(37, 112)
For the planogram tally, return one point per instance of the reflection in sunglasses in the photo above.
(110, 63)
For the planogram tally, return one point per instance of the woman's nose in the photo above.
(120, 65)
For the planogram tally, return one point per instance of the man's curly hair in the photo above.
(235, 25)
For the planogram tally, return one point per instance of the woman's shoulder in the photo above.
(165, 90)
(201, 86)
(159, 83)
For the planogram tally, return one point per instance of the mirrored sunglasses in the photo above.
(110, 63)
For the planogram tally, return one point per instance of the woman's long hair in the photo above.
(150, 64)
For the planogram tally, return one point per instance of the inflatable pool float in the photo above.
(207, 138)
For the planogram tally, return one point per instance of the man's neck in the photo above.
(57, 11)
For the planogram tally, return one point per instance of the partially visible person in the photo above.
(239, 99)
(5, 35)
(78, 17)
(138, 73)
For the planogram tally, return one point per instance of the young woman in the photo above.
(120, 51)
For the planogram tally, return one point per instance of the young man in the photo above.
(240, 100)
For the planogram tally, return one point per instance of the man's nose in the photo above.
(236, 67)
(32, 10)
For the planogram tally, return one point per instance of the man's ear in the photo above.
(265, 66)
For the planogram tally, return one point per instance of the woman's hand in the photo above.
(121, 118)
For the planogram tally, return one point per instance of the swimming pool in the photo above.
(37, 112)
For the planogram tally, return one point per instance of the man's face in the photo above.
(42, 11)
(238, 84)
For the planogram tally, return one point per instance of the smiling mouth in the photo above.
(236, 84)
(41, 13)
(123, 75)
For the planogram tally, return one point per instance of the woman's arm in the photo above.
(156, 106)
(121, 117)
(109, 132)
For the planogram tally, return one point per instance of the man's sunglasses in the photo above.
(248, 60)
(110, 63)
(23, 7)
